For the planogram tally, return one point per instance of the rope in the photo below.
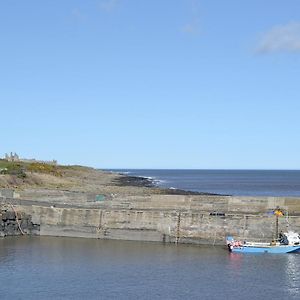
(17, 219)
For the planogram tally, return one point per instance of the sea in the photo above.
(226, 182)
(78, 268)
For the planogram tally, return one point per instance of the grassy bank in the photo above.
(20, 169)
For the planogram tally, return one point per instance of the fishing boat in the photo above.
(288, 243)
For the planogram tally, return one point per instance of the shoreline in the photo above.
(126, 180)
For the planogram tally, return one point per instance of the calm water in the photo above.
(69, 268)
(228, 182)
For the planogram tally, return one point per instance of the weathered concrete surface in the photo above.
(168, 218)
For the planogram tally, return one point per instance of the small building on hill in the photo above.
(14, 157)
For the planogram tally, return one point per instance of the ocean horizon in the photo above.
(236, 182)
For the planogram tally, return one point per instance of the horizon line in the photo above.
(203, 169)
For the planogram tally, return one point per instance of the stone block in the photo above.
(9, 215)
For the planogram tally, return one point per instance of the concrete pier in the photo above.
(165, 218)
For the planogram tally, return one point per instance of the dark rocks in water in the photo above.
(134, 181)
(184, 192)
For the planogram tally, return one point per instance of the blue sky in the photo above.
(152, 84)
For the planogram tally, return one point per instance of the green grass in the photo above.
(13, 168)
(4, 164)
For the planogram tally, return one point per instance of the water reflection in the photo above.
(292, 273)
(235, 260)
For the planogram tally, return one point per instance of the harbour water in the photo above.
(75, 268)
(227, 182)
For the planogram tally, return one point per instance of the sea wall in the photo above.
(168, 218)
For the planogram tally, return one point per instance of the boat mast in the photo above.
(278, 213)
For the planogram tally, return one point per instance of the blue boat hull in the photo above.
(271, 249)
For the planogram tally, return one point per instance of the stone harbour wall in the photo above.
(168, 218)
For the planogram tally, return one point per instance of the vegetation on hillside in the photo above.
(43, 168)
(19, 169)
(12, 168)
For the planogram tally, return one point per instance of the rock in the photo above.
(24, 223)
(9, 215)
(3, 217)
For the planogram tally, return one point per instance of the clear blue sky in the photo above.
(152, 84)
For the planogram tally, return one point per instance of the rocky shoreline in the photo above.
(138, 181)
(126, 180)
